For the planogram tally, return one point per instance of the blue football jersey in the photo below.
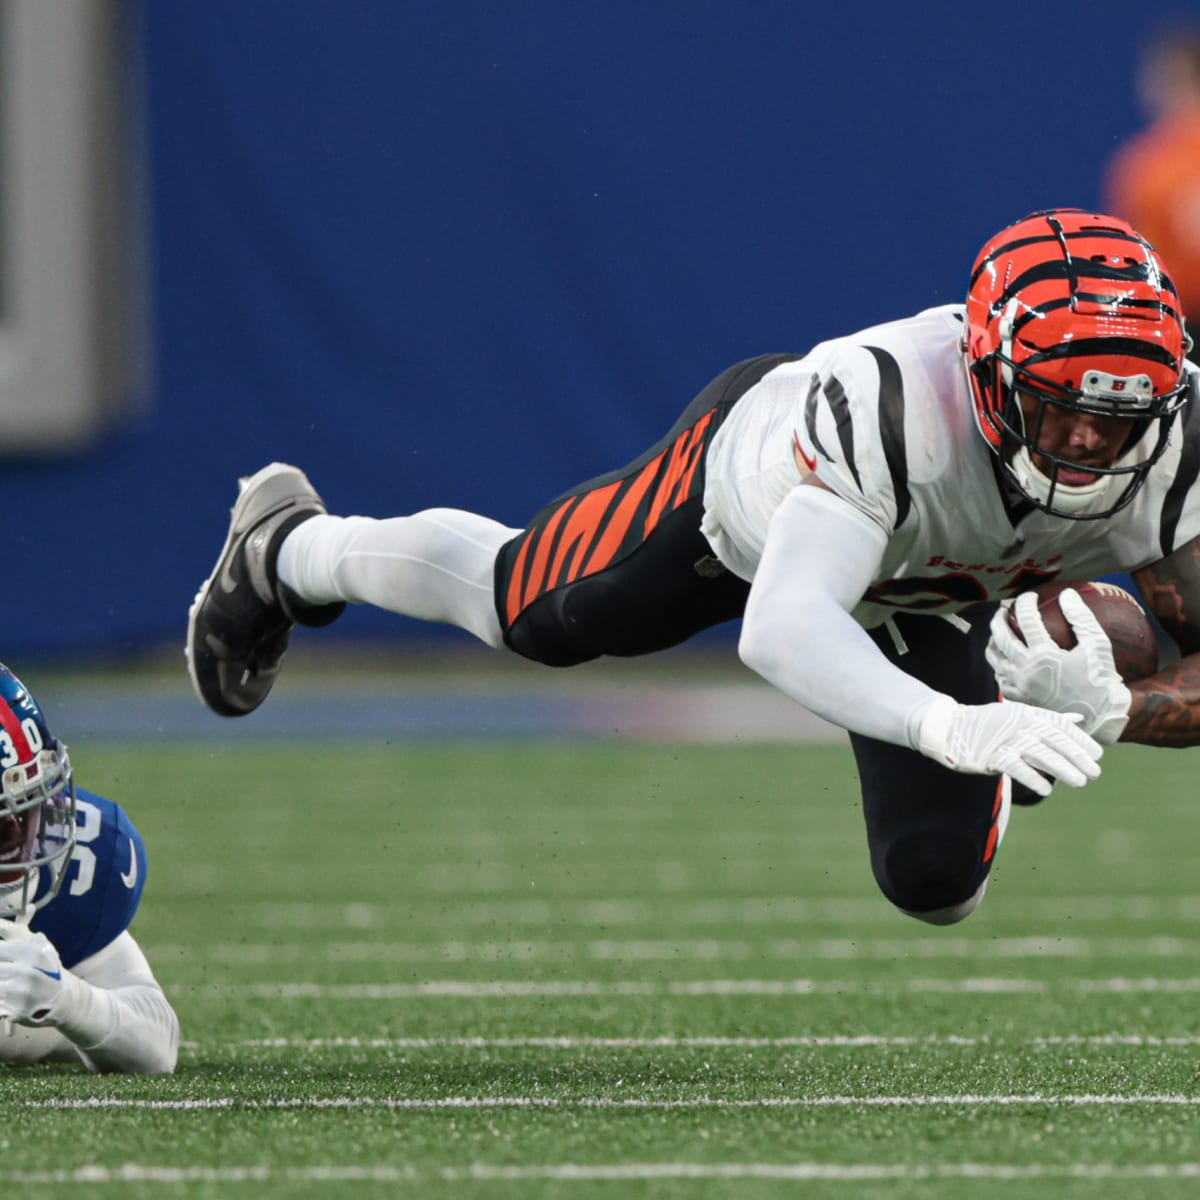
(103, 882)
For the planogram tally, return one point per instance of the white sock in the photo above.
(436, 565)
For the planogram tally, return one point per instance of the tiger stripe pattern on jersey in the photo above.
(891, 428)
(839, 406)
(1184, 481)
(828, 395)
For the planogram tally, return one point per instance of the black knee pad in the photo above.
(922, 872)
(548, 633)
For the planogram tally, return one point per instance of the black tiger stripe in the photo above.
(648, 474)
(1155, 308)
(1016, 244)
(891, 428)
(810, 416)
(572, 537)
(586, 535)
(537, 536)
(1076, 269)
(1131, 347)
(1185, 477)
(528, 566)
(835, 397)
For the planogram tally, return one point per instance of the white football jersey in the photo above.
(884, 419)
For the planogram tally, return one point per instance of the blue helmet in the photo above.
(37, 802)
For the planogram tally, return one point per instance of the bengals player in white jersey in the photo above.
(862, 508)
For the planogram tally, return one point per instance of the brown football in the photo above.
(1135, 647)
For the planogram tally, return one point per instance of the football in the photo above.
(1135, 647)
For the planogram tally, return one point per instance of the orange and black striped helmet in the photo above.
(1074, 309)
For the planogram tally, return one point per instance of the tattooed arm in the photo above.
(1166, 706)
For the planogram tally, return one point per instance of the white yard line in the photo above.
(438, 1103)
(802, 1042)
(516, 949)
(501, 989)
(778, 910)
(128, 1173)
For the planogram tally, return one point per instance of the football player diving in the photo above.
(864, 508)
(74, 984)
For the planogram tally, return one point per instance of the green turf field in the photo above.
(592, 970)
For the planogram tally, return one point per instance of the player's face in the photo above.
(1083, 440)
(17, 836)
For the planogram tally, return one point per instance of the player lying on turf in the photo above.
(74, 985)
(863, 507)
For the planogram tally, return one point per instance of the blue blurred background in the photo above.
(470, 254)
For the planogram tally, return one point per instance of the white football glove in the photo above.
(1028, 744)
(1082, 680)
(31, 976)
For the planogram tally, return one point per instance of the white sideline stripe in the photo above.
(501, 989)
(586, 1172)
(805, 1042)
(702, 949)
(776, 910)
(606, 1102)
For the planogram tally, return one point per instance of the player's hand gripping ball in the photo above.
(1134, 646)
(1073, 647)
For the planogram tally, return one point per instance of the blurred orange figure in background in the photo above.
(1153, 180)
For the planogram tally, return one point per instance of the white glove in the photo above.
(1007, 738)
(1082, 680)
(31, 976)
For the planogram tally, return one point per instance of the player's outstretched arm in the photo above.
(110, 1008)
(1165, 708)
(798, 633)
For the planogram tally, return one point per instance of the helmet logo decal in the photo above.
(18, 739)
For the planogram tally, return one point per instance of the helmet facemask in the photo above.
(37, 829)
(1025, 396)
